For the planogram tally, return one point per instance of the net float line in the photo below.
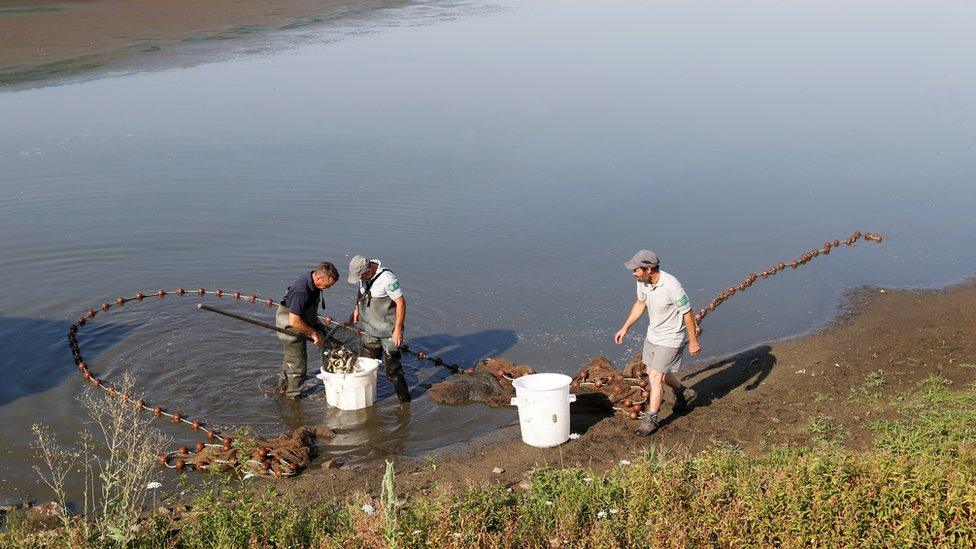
(199, 425)
(794, 263)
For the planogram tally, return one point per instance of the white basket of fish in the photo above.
(353, 390)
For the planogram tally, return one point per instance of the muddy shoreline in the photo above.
(53, 40)
(766, 395)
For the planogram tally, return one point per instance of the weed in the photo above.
(868, 392)
(875, 379)
(430, 462)
(389, 499)
(819, 397)
(821, 425)
(117, 470)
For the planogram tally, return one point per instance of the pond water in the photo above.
(504, 160)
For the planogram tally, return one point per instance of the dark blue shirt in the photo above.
(302, 294)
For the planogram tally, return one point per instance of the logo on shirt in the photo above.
(396, 285)
(682, 302)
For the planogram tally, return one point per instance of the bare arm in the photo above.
(635, 313)
(299, 325)
(692, 329)
(354, 315)
(401, 315)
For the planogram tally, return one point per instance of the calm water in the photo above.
(504, 160)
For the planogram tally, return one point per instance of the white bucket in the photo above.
(351, 391)
(543, 407)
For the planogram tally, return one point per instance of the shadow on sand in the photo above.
(748, 368)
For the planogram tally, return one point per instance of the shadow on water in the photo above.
(36, 357)
(748, 368)
(464, 351)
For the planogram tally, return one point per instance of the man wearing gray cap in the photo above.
(671, 327)
(381, 310)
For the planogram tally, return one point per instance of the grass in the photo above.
(822, 428)
(914, 488)
(868, 392)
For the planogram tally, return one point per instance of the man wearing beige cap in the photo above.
(381, 310)
(671, 327)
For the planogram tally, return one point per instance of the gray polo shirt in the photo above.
(666, 305)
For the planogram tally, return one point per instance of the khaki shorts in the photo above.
(661, 359)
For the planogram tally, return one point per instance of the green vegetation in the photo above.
(915, 488)
(26, 10)
(822, 428)
(867, 393)
(19, 74)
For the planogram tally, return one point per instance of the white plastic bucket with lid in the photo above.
(352, 391)
(543, 408)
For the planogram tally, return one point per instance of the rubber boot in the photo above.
(296, 357)
(394, 372)
(373, 347)
(294, 367)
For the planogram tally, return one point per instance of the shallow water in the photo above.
(504, 161)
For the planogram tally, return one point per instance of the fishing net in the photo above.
(282, 456)
(490, 382)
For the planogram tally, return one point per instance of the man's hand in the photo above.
(397, 337)
(354, 316)
(317, 339)
(328, 319)
(694, 348)
(618, 338)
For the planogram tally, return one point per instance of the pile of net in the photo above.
(599, 386)
(282, 456)
(490, 382)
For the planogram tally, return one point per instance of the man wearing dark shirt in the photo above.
(298, 310)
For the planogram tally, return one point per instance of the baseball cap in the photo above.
(643, 258)
(357, 267)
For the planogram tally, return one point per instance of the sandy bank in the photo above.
(49, 38)
(841, 376)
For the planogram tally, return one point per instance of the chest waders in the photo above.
(295, 367)
(377, 316)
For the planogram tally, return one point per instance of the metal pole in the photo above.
(452, 367)
(252, 321)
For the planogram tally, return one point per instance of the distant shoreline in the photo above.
(51, 41)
